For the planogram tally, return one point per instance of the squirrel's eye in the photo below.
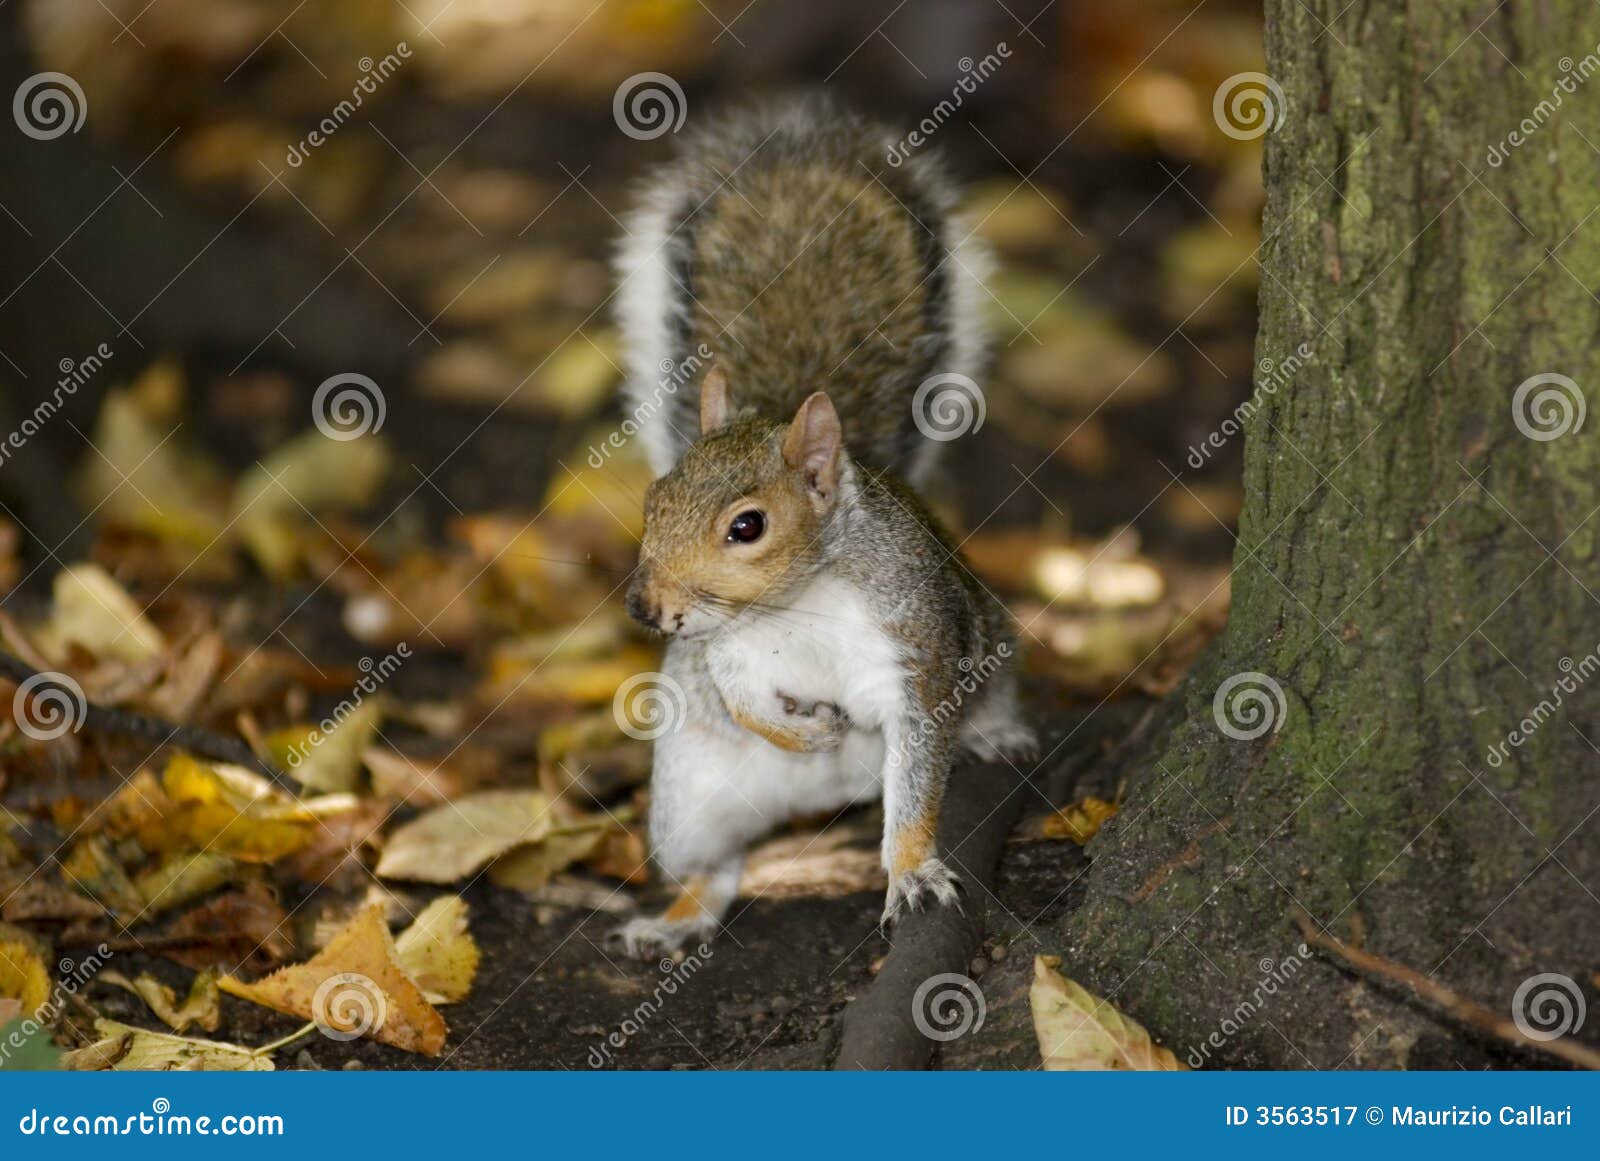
(747, 527)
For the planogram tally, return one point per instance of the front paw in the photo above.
(911, 890)
(820, 725)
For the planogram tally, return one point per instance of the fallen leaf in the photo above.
(425, 781)
(95, 870)
(124, 1048)
(456, 839)
(621, 855)
(93, 610)
(1078, 822)
(530, 867)
(182, 878)
(234, 811)
(234, 929)
(202, 1006)
(353, 987)
(24, 976)
(329, 761)
(1079, 1032)
(438, 953)
(190, 674)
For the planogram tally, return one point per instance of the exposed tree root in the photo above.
(879, 1028)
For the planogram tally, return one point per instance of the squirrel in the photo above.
(829, 643)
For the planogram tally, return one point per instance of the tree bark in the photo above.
(1414, 572)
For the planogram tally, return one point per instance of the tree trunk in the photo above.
(1415, 571)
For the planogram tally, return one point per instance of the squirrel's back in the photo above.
(784, 246)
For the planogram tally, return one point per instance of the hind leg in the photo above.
(695, 915)
(996, 731)
(706, 807)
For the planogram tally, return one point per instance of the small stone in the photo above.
(782, 1005)
(997, 952)
(305, 1062)
(354, 1066)
(978, 966)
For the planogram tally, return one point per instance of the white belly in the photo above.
(827, 646)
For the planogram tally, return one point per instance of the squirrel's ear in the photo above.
(714, 407)
(813, 444)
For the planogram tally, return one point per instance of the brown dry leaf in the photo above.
(456, 839)
(424, 596)
(202, 1006)
(246, 927)
(354, 985)
(1079, 822)
(24, 976)
(124, 1048)
(39, 898)
(190, 674)
(1079, 1032)
(622, 855)
(1083, 359)
(424, 781)
(438, 953)
(9, 1010)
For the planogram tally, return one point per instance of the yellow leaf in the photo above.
(142, 476)
(530, 867)
(94, 869)
(1080, 821)
(1079, 1032)
(183, 877)
(454, 840)
(313, 473)
(329, 761)
(95, 611)
(353, 987)
(124, 1048)
(24, 977)
(233, 811)
(437, 952)
(202, 1006)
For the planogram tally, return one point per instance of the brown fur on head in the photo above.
(739, 519)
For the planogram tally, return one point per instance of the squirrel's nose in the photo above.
(639, 608)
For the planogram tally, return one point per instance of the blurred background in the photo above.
(232, 203)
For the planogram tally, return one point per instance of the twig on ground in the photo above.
(1455, 1005)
